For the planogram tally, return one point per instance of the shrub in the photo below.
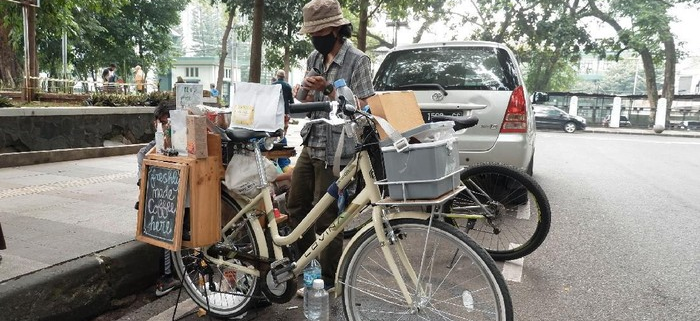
(5, 101)
(156, 97)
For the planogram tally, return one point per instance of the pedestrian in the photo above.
(165, 282)
(140, 80)
(213, 91)
(2, 241)
(336, 57)
(179, 81)
(109, 76)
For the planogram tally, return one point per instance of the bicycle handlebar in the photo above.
(309, 107)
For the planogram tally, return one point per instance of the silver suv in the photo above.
(468, 78)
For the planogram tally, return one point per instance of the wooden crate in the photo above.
(204, 178)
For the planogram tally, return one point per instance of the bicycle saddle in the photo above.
(240, 135)
(460, 122)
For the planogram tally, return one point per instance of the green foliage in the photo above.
(5, 101)
(99, 33)
(107, 99)
(156, 97)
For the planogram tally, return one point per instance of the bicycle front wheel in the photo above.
(448, 276)
(516, 212)
(222, 291)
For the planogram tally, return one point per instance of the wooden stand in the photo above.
(204, 177)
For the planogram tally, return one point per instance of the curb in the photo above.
(61, 155)
(82, 288)
(666, 133)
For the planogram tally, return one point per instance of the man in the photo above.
(286, 90)
(336, 58)
(140, 80)
(109, 76)
(213, 91)
(166, 282)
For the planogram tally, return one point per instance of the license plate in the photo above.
(428, 114)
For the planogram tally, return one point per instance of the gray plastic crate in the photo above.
(423, 161)
(425, 189)
(426, 132)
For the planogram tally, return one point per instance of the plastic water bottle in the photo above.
(319, 305)
(341, 89)
(311, 273)
(160, 138)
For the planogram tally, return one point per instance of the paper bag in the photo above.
(399, 108)
(257, 107)
(197, 136)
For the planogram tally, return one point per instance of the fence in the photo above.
(595, 107)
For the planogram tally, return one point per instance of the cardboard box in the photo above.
(197, 136)
(399, 108)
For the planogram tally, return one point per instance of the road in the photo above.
(623, 244)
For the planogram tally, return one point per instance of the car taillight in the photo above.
(515, 120)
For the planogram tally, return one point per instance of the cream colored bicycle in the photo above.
(403, 266)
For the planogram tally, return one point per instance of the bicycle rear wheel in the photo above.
(456, 279)
(223, 292)
(521, 212)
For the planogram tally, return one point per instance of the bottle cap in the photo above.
(318, 284)
(277, 212)
(339, 83)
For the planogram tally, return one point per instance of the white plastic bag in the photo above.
(257, 107)
(178, 131)
(242, 174)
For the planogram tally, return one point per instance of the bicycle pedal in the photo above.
(282, 270)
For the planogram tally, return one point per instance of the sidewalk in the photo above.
(70, 229)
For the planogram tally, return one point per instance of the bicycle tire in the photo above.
(514, 196)
(472, 288)
(221, 298)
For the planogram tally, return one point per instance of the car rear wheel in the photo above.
(570, 127)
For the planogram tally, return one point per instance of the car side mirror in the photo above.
(539, 97)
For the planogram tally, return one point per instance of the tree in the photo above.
(207, 30)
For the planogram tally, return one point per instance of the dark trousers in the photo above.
(2, 239)
(310, 180)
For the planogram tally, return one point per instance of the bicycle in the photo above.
(400, 265)
(501, 208)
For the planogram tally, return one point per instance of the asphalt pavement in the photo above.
(70, 226)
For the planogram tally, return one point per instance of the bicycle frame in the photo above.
(370, 194)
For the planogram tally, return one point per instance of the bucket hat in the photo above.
(320, 14)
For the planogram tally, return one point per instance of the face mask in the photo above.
(324, 44)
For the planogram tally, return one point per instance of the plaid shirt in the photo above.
(350, 64)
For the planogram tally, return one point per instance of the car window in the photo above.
(454, 68)
(623, 118)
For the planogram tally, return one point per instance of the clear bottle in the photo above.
(319, 304)
(311, 273)
(160, 138)
(342, 89)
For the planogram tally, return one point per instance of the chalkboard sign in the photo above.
(161, 204)
(188, 95)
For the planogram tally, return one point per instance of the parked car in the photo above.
(468, 78)
(624, 122)
(690, 125)
(554, 118)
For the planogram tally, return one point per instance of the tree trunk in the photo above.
(362, 28)
(256, 42)
(669, 73)
(224, 52)
(650, 80)
(10, 68)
